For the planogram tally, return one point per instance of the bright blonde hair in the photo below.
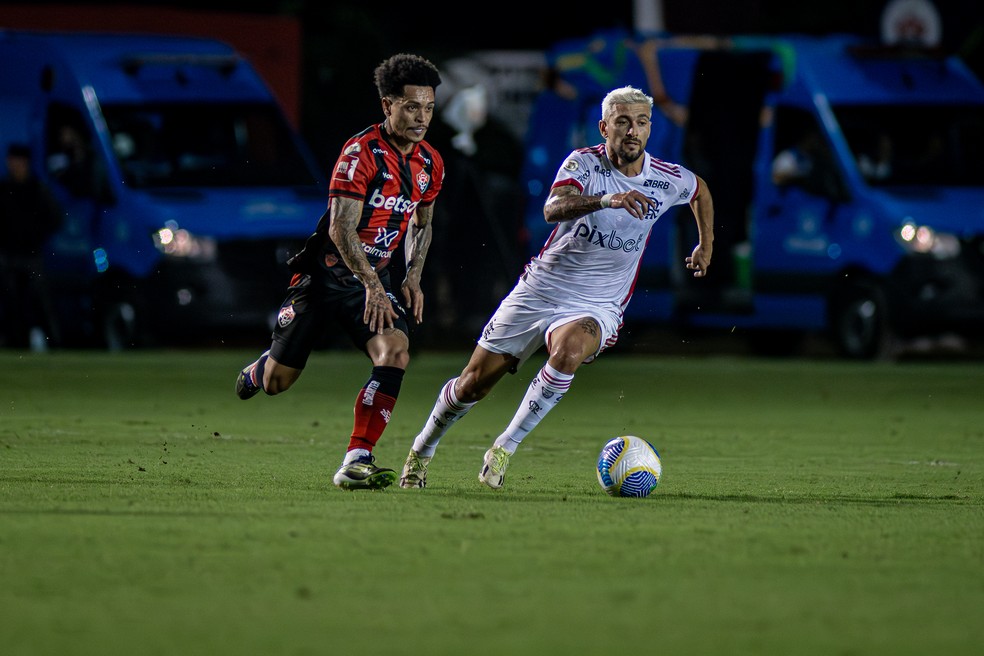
(623, 96)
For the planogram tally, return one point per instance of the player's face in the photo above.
(409, 115)
(627, 131)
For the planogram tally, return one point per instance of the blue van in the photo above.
(882, 238)
(184, 185)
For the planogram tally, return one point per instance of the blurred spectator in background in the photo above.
(29, 215)
(796, 163)
(70, 161)
(478, 256)
(878, 164)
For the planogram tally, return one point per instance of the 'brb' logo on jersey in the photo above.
(394, 203)
(610, 240)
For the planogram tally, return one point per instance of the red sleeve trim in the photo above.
(569, 181)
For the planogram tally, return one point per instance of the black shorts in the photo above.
(315, 305)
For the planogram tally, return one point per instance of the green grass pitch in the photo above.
(806, 507)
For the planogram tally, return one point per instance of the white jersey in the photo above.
(594, 260)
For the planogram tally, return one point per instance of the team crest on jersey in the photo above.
(423, 181)
(570, 165)
(286, 316)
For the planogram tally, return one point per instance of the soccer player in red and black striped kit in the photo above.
(382, 188)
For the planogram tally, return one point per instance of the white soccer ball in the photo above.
(629, 466)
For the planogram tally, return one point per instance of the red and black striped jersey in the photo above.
(390, 186)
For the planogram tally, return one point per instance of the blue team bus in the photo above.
(184, 185)
(883, 240)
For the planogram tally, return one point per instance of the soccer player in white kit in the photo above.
(572, 295)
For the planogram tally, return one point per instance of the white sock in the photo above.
(447, 410)
(353, 455)
(545, 391)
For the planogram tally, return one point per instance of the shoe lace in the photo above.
(500, 458)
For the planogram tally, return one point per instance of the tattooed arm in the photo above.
(566, 203)
(419, 236)
(345, 213)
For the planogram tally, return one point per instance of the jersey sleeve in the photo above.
(437, 179)
(574, 171)
(689, 186)
(352, 173)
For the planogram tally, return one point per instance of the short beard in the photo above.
(625, 158)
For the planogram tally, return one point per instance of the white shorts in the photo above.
(524, 322)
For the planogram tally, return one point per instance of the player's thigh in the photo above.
(349, 311)
(575, 340)
(300, 324)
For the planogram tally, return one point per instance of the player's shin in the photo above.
(546, 390)
(446, 411)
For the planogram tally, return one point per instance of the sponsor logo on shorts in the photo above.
(286, 315)
(331, 260)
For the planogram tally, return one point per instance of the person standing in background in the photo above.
(29, 215)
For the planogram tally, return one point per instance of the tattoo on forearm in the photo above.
(343, 233)
(572, 206)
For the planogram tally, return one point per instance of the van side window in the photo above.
(802, 156)
(68, 151)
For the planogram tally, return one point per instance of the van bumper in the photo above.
(939, 295)
(239, 291)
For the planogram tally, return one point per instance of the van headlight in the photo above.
(178, 242)
(923, 239)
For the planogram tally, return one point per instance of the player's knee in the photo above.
(567, 360)
(396, 357)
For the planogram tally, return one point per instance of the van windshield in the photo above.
(214, 145)
(934, 145)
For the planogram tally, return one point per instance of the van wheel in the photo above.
(122, 318)
(120, 327)
(860, 323)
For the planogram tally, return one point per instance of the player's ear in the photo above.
(387, 104)
(603, 128)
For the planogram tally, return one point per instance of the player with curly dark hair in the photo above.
(383, 187)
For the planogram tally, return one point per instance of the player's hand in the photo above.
(379, 313)
(635, 203)
(414, 298)
(699, 260)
